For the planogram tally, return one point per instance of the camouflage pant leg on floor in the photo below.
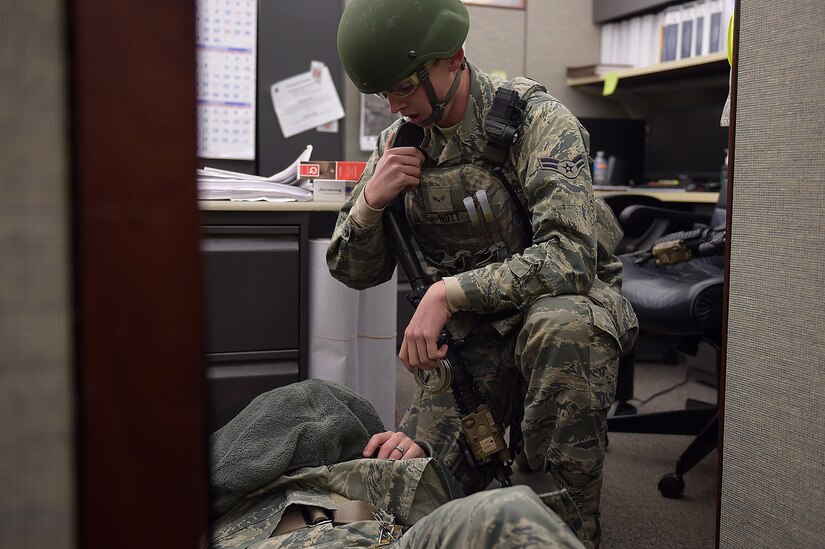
(434, 418)
(570, 365)
(508, 517)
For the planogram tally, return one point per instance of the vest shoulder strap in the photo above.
(502, 127)
(506, 115)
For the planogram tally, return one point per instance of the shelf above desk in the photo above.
(714, 67)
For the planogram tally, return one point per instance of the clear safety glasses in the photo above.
(405, 87)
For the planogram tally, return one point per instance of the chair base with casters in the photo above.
(683, 300)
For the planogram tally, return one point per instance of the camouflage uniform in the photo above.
(409, 489)
(538, 312)
(407, 492)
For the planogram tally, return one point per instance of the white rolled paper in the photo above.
(352, 334)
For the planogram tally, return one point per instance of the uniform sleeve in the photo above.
(358, 254)
(552, 165)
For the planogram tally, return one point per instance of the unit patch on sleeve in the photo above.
(568, 168)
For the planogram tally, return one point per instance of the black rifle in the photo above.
(683, 246)
(482, 438)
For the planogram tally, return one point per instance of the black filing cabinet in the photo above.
(255, 283)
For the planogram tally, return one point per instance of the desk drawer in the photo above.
(234, 380)
(252, 287)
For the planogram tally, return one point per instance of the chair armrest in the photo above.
(635, 213)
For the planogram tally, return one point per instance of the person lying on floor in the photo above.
(311, 465)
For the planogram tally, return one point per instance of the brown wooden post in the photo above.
(138, 299)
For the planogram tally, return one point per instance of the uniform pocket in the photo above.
(620, 319)
(605, 349)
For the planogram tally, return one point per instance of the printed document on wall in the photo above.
(306, 101)
(226, 40)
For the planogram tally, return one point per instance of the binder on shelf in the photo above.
(727, 15)
(687, 35)
(635, 42)
(648, 40)
(717, 26)
(624, 43)
(606, 50)
(701, 29)
(694, 28)
(671, 30)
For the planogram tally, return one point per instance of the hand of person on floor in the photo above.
(393, 445)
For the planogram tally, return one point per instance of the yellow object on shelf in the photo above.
(611, 80)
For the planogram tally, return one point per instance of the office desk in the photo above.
(701, 203)
(228, 206)
(673, 197)
(256, 296)
(256, 291)
(225, 205)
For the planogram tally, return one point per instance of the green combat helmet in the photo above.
(381, 42)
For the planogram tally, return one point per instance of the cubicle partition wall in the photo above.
(773, 470)
(291, 34)
(36, 397)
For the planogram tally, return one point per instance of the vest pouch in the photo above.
(461, 218)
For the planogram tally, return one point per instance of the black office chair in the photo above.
(643, 222)
(683, 300)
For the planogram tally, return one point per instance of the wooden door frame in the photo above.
(726, 291)
(141, 405)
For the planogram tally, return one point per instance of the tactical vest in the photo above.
(472, 212)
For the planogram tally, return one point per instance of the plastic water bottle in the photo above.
(599, 169)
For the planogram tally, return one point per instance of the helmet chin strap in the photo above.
(437, 104)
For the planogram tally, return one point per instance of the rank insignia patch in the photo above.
(439, 199)
(568, 168)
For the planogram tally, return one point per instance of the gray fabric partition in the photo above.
(773, 493)
(36, 448)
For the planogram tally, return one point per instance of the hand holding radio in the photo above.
(398, 170)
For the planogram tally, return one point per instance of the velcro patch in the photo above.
(568, 168)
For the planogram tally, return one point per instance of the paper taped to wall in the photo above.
(306, 101)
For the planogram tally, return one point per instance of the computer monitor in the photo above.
(685, 141)
(621, 138)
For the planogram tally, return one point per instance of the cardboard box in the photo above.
(331, 190)
(331, 169)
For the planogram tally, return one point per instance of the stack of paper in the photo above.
(215, 184)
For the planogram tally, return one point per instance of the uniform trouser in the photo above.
(562, 366)
(510, 517)
(515, 518)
